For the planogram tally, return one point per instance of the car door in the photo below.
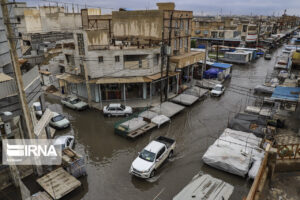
(160, 157)
(112, 110)
(119, 111)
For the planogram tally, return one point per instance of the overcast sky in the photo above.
(204, 7)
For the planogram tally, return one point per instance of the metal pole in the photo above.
(168, 58)
(162, 65)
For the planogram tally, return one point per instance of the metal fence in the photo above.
(288, 151)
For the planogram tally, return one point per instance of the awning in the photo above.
(158, 75)
(138, 79)
(70, 78)
(286, 94)
(4, 77)
(186, 59)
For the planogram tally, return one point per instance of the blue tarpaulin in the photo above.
(286, 93)
(212, 73)
(222, 65)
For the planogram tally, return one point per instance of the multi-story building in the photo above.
(9, 99)
(119, 56)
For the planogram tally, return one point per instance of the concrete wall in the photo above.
(109, 66)
(143, 24)
(48, 19)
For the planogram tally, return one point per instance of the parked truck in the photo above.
(152, 157)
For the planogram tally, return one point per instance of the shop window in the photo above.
(100, 59)
(117, 58)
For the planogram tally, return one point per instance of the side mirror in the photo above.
(139, 153)
(156, 160)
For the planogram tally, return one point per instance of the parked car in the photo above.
(65, 141)
(152, 157)
(74, 102)
(218, 90)
(59, 121)
(37, 109)
(268, 56)
(117, 110)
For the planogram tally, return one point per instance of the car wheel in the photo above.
(152, 173)
(108, 115)
(170, 154)
(127, 115)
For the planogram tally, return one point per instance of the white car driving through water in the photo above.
(152, 157)
(218, 90)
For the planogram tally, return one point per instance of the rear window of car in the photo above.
(58, 118)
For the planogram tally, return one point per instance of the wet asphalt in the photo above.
(109, 156)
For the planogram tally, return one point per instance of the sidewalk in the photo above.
(134, 103)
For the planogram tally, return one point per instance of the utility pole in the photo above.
(217, 51)
(162, 65)
(86, 76)
(204, 64)
(18, 76)
(168, 58)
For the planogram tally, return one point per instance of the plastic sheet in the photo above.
(233, 152)
(160, 119)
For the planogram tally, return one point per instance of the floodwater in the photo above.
(109, 156)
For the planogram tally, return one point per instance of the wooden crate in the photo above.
(58, 183)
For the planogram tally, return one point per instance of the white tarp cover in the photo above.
(185, 99)
(233, 152)
(252, 109)
(196, 91)
(205, 187)
(167, 108)
(134, 123)
(160, 119)
(148, 114)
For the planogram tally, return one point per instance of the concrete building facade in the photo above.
(121, 53)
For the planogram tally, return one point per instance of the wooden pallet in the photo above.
(141, 131)
(58, 183)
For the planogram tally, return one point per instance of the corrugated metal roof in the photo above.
(286, 93)
(4, 77)
(222, 65)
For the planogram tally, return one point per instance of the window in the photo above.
(117, 58)
(18, 19)
(180, 43)
(176, 24)
(181, 24)
(80, 44)
(185, 42)
(156, 59)
(100, 59)
(245, 28)
(175, 44)
(160, 153)
(187, 25)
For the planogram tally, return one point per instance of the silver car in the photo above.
(74, 102)
(117, 110)
(59, 121)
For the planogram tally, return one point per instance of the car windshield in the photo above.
(218, 88)
(58, 118)
(37, 108)
(122, 106)
(75, 101)
(147, 155)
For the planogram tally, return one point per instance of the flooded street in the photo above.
(109, 156)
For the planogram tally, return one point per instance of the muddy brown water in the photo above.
(109, 156)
